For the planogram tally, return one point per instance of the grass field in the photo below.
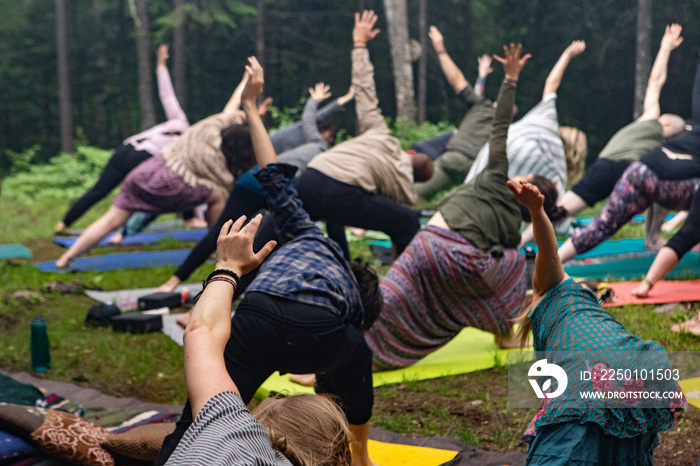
(472, 408)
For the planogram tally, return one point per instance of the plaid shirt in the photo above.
(308, 268)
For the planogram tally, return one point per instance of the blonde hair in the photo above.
(524, 321)
(309, 430)
(575, 149)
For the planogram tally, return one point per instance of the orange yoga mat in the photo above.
(665, 291)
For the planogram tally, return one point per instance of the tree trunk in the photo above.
(64, 99)
(260, 34)
(125, 94)
(143, 45)
(100, 66)
(179, 75)
(643, 61)
(397, 20)
(423, 62)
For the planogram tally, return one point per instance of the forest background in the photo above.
(107, 97)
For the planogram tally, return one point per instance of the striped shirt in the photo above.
(225, 433)
(534, 146)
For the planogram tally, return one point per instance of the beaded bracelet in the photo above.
(216, 276)
(228, 272)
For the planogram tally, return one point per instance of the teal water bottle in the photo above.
(41, 358)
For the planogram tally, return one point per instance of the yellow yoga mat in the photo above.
(391, 454)
(472, 350)
(691, 388)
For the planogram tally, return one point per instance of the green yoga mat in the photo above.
(472, 350)
(11, 251)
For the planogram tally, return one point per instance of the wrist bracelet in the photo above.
(359, 45)
(234, 284)
(228, 272)
(510, 81)
(648, 282)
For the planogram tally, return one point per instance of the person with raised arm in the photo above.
(629, 144)
(463, 269)
(247, 196)
(305, 310)
(537, 145)
(199, 167)
(572, 330)
(452, 166)
(137, 148)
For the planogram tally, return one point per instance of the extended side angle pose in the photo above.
(304, 429)
(571, 329)
(452, 166)
(629, 144)
(366, 182)
(463, 269)
(137, 148)
(199, 167)
(668, 175)
(248, 197)
(305, 310)
(536, 143)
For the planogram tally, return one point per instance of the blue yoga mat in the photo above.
(609, 248)
(637, 219)
(629, 266)
(11, 251)
(142, 238)
(124, 260)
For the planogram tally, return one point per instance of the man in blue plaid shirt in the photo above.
(306, 309)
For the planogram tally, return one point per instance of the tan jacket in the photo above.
(374, 160)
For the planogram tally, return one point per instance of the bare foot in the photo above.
(116, 238)
(195, 222)
(690, 326)
(63, 262)
(60, 228)
(184, 319)
(357, 231)
(306, 380)
(170, 285)
(642, 291)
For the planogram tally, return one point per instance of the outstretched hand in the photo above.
(234, 248)
(262, 108)
(437, 39)
(162, 55)
(484, 65)
(320, 92)
(512, 61)
(575, 48)
(672, 37)
(255, 81)
(364, 31)
(527, 194)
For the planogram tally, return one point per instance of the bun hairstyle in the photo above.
(575, 149)
(309, 430)
(549, 190)
(237, 148)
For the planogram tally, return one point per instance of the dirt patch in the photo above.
(8, 324)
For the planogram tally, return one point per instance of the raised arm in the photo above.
(264, 152)
(309, 123)
(209, 327)
(657, 78)
(554, 79)
(452, 73)
(484, 70)
(512, 65)
(168, 99)
(548, 269)
(234, 103)
(369, 115)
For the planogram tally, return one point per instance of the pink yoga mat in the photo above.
(663, 292)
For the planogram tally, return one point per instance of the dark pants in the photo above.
(339, 203)
(599, 180)
(271, 334)
(124, 159)
(435, 146)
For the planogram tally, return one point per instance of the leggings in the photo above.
(638, 188)
(124, 159)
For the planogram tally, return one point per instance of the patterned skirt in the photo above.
(440, 284)
(154, 188)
